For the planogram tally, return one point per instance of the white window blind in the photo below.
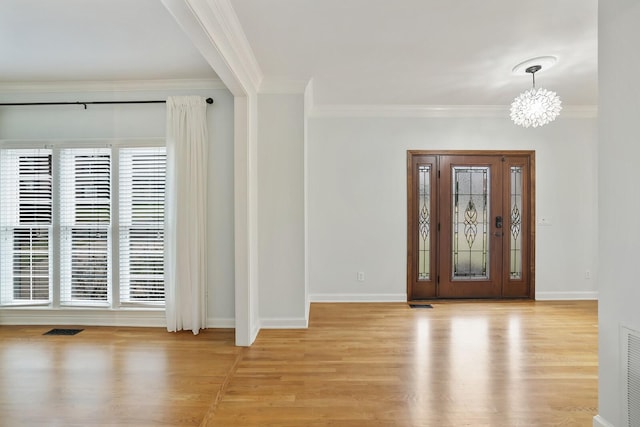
(60, 243)
(85, 226)
(25, 225)
(141, 224)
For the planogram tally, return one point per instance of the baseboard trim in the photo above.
(358, 297)
(561, 296)
(598, 421)
(83, 317)
(284, 323)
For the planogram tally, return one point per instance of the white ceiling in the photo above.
(94, 40)
(405, 52)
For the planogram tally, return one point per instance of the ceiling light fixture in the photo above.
(535, 107)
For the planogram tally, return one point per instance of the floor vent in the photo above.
(631, 375)
(63, 332)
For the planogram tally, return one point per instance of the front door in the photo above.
(469, 225)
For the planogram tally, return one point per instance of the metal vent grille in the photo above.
(631, 353)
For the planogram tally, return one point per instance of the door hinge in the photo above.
(438, 279)
(438, 226)
(438, 173)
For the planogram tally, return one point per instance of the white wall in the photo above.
(146, 121)
(281, 210)
(619, 153)
(357, 199)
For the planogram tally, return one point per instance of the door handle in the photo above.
(498, 222)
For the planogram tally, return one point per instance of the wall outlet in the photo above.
(360, 276)
(587, 274)
(544, 220)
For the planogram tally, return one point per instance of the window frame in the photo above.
(56, 146)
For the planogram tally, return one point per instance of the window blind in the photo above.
(141, 224)
(60, 205)
(25, 225)
(85, 225)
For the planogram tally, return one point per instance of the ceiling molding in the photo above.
(238, 39)
(436, 111)
(110, 86)
(224, 32)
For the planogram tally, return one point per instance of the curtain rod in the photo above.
(209, 101)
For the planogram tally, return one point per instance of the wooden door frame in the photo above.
(411, 215)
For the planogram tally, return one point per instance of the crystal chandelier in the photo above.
(535, 107)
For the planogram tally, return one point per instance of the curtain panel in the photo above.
(185, 214)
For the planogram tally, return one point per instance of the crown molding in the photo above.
(110, 86)
(238, 39)
(436, 111)
(224, 31)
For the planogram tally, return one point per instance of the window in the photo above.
(82, 226)
(25, 225)
(142, 180)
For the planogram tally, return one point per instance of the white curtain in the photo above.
(185, 214)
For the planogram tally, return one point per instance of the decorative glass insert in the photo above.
(424, 222)
(515, 263)
(470, 219)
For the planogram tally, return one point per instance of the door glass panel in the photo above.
(470, 222)
(515, 264)
(424, 222)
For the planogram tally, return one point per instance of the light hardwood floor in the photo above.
(458, 364)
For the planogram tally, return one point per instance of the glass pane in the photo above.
(85, 226)
(516, 223)
(424, 222)
(470, 222)
(25, 225)
(142, 199)
(31, 264)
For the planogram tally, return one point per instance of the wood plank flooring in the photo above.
(458, 364)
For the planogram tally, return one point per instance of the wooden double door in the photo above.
(470, 224)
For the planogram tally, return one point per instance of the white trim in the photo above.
(215, 30)
(308, 106)
(110, 86)
(221, 322)
(237, 39)
(437, 111)
(598, 421)
(83, 316)
(83, 142)
(284, 323)
(93, 317)
(255, 330)
(358, 297)
(562, 296)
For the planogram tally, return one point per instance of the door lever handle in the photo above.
(498, 222)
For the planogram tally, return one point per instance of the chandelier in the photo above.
(535, 107)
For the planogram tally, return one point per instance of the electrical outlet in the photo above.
(360, 276)
(587, 274)
(544, 220)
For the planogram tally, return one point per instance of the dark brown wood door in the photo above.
(469, 225)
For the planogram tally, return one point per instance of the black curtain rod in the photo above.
(209, 101)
